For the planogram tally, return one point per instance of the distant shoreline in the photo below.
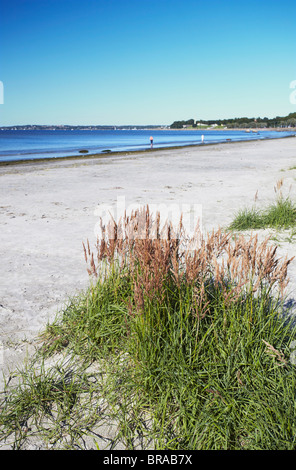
(144, 128)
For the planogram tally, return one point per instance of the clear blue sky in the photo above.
(145, 61)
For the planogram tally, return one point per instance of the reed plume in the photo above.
(154, 256)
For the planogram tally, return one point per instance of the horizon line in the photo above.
(152, 125)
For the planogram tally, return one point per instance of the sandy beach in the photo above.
(47, 209)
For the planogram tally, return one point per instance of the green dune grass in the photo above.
(192, 353)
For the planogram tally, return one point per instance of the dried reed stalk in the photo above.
(275, 353)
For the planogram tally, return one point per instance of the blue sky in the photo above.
(145, 61)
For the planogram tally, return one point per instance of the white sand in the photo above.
(48, 209)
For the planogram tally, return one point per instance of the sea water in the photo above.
(18, 145)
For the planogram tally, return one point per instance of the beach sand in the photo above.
(47, 209)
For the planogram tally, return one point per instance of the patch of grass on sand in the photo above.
(280, 215)
(190, 348)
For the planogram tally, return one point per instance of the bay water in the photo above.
(17, 145)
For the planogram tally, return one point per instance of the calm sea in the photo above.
(35, 144)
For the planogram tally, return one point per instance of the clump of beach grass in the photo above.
(49, 406)
(191, 334)
(279, 215)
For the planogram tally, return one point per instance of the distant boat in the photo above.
(248, 130)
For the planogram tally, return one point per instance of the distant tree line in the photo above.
(243, 123)
(181, 124)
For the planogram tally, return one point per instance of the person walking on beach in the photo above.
(151, 142)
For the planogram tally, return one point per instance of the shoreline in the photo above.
(106, 153)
